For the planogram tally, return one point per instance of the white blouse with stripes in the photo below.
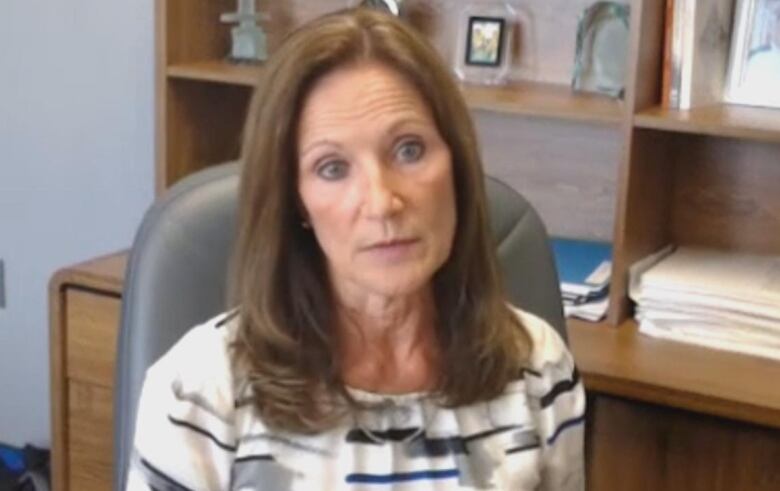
(191, 433)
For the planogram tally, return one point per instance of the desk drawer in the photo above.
(92, 326)
(90, 431)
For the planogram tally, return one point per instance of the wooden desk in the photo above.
(663, 416)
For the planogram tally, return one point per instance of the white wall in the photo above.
(76, 168)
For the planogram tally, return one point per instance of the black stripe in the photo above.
(560, 388)
(531, 372)
(157, 472)
(563, 426)
(522, 448)
(394, 434)
(188, 425)
(420, 446)
(485, 434)
(226, 319)
(249, 458)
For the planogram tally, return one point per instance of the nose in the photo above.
(381, 195)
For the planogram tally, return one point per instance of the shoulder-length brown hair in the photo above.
(278, 276)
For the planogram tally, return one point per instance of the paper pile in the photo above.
(584, 270)
(718, 299)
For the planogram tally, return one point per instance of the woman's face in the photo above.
(375, 180)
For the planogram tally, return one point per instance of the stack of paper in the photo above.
(584, 269)
(711, 298)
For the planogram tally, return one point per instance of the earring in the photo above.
(305, 224)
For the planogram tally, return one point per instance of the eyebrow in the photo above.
(394, 127)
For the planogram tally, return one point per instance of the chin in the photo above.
(395, 285)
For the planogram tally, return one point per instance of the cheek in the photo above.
(440, 209)
(329, 216)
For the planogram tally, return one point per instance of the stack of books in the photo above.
(584, 270)
(711, 298)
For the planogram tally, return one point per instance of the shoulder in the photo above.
(547, 347)
(201, 362)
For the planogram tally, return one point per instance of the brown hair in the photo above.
(287, 311)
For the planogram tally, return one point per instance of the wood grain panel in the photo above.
(566, 170)
(686, 451)
(644, 211)
(92, 327)
(204, 126)
(193, 31)
(90, 426)
(726, 194)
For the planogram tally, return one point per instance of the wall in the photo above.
(76, 168)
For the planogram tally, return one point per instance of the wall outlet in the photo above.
(2, 284)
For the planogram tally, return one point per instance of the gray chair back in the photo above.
(176, 277)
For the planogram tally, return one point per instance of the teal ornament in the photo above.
(248, 39)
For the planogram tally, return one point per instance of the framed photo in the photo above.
(754, 67)
(485, 40)
(483, 51)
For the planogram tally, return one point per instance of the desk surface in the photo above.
(613, 360)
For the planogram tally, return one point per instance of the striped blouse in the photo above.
(192, 434)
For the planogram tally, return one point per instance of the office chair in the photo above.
(176, 276)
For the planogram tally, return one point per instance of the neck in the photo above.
(387, 343)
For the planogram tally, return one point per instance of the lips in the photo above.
(391, 244)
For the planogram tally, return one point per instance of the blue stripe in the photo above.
(401, 477)
(565, 425)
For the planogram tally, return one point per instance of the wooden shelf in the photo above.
(218, 71)
(545, 100)
(753, 123)
(622, 362)
(528, 99)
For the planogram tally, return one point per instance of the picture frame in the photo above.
(483, 51)
(485, 40)
(754, 65)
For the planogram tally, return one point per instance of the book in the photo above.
(666, 72)
(700, 45)
(584, 267)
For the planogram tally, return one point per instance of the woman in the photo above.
(371, 346)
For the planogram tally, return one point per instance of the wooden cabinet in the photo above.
(85, 304)
(662, 416)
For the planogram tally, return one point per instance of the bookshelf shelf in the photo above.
(750, 123)
(545, 100)
(217, 71)
(519, 98)
(627, 363)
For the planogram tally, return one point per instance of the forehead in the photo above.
(363, 95)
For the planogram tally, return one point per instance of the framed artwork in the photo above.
(485, 41)
(483, 51)
(754, 66)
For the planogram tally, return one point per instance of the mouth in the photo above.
(391, 244)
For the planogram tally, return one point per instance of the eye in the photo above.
(332, 170)
(410, 151)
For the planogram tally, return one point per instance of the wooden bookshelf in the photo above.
(722, 120)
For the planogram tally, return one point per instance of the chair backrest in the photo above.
(176, 277)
